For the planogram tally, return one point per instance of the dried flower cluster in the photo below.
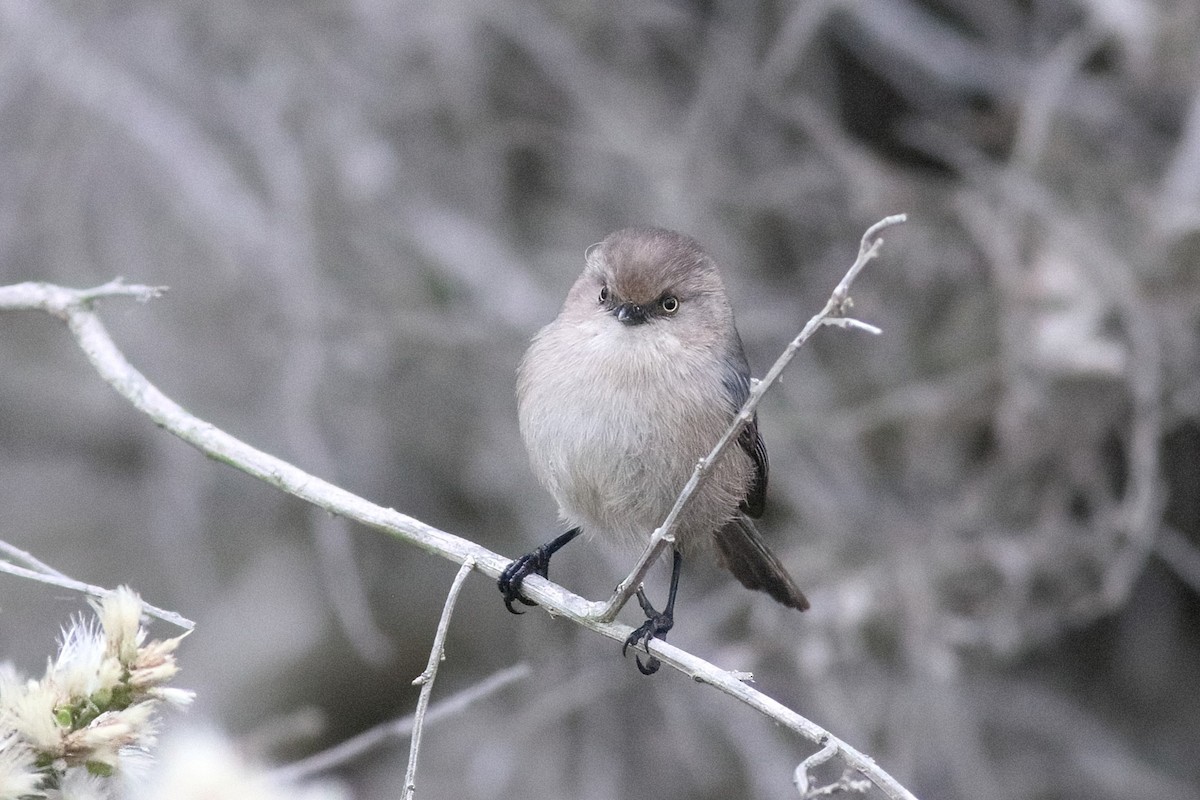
(93, 713)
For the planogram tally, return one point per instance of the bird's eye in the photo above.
(604, 294)
(669, 304)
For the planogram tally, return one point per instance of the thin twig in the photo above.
(58, 300)
(32, 561)
(833, 313)
(56, 578)
(801, 777)
(847, 783)
(74, 306)
(425, 680)
(366, 741)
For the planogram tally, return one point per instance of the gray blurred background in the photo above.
(363, 210)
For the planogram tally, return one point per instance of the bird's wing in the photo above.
(737, 386)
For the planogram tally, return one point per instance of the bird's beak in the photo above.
(630, 314)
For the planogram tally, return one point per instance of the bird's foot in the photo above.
(656, 626)
(535, 563)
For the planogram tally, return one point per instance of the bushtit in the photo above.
(619, 397)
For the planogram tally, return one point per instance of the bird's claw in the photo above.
(535, 563)
(656, 626)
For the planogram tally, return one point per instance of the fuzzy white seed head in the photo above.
(18, 775)
(154, 663)
(29, 712)
(79, 784)
(83, 666)
(92, 716)
(112, 731)
(121, 618)
(179, 698)
(11, 681)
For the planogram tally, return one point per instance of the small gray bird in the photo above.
(619, 397)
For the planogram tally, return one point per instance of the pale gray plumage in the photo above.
(632, 383)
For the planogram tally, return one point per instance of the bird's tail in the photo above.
(743, 552)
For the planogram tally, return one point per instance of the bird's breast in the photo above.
(615, 423)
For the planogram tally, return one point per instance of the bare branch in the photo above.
(851, 322)
(832, 314)
(425, 680)
(46, 574)
(12, 551)
(57, 300)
